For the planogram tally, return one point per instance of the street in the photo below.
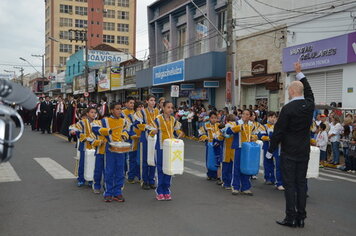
(39, 196)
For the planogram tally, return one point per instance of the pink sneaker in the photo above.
(167, 197)
(160, 197)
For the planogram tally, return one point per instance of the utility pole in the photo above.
(229, 53)
(43, 68)
(82, 35)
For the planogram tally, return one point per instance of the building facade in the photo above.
(186, 51)
(112, 22)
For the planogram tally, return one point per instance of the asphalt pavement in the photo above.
(39, 196)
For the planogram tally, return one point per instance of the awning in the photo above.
(260, 79)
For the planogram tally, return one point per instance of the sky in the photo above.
(22, 24)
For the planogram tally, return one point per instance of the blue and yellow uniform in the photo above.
(146, 119)
(167, 129)
(114, 162)
(269, 166)
(85, 136)
(228, 157)
(100, 147)
(242, 132)
(133, 168)
(210, 133)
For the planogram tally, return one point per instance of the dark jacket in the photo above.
(292, 129)
(46, 110)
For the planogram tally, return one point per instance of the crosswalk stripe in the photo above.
(54, 169)
(194, 172)
(7, 173)
(338, 172)
(338, 177)
(195, 162)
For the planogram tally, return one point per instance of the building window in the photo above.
(123, 27)
(181, 41)
(62, 61)
(123, 3)
(123, 15)
(68, 68)
(201, 30)
(81, 0)
(81, 23)
(109, 13)
(78, 47)
(166, 47)
(65, 22)
(109, 26)
(64, 35)
(109, 2)
(65, 48)
(73, 69)
(78, 67)
(108, 38)
(83, 11)
(65, 8)
(123, 40)
(222, 18)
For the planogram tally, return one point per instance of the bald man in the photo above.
(292, 132)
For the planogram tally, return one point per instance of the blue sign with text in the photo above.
(168, 73)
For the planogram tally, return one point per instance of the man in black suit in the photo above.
(46, 115)
(292, 131)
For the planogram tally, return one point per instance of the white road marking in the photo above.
(323, 179)
(338, 177)
(194, 172)
(195, 162)
(338, 172)
(7, 173)
(54, 169)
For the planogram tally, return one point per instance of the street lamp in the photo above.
(53, 39)
(42, 57)
(23, 59)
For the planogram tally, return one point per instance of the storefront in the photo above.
(190, 74)
(329, 65)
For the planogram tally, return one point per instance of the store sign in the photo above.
(259, 67)
(157, 90)
(199, 94)
(78, 84)
(174, 91)
(211, 84)
(69, 88)
(91, 81)
(104, 79)
(187, 86)
(327, 52)
(104, 56)
(117, 80)
(168, 73)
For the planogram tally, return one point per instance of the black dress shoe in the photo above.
(300, 223)
(289, 223)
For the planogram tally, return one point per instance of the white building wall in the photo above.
(349, 81)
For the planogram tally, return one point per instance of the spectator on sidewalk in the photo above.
(335, 132)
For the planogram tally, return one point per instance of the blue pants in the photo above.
(164, 181)
(336, 151)
(81, 167)
(210, 173)
(270, 166)
(148, 172)
(134, 169)
(99, 170)
(240, 182)
(227, 173)
(114, 173)
(323, 155)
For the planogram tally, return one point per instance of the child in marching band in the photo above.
(210, 133)
(228, 153)
(272, 170)
(133, 168)
(167, 127)
(258, 129)
(243, 132)
(146, 118)
(83, 130)
(100, 147)
(115, 129)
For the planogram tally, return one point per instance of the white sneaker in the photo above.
(280, 188)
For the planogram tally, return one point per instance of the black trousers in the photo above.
(295, 184)
(46, 124)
